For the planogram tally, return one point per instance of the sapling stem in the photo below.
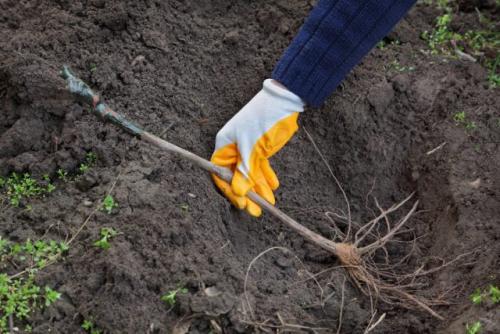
(349, 254)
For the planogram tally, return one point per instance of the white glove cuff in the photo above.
(295, 102)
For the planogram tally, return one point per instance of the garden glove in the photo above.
(244, 145)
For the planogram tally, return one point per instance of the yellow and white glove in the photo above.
(244, 145)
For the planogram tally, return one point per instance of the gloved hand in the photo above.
(244, 145)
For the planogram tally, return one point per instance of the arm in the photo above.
(337, 34)
(334, 38)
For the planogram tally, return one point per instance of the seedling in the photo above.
(108, 204)
(400, 68)
(477, 297)
(475, 328)
(439, 39)
(442, 40)
(23, 186)
(171, 297)
(83, 168)
(90, 160)
(494, 294)
(62, 174)
(493, 77)
(37, 254)
(89, 327)
(20, 297)
(381, 45)
(93, 67)
(461, 119)
(107, 233)
(51, 296)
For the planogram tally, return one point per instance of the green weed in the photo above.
(494, 294)
(400, 68)
(19, 187)
(493, 76)
(475, 328)
(439, 39)
(62, 175)
(442, 40)
(90, 160)
(106, 233)
(109, 203)
(19, 297)
(37, 254)
(90, 328)
(477, 297)
(460, 118)
(171, 297)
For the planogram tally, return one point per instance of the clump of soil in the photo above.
(182, 69)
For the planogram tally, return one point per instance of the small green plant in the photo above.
(19, 187)
(474, 328)
(400, 68)
(51, 296)
(19, 297)
(476, 297)
(83, 168)
(478, 43)
(35, 253)
(109, 203)
(93, 67)
(493, 76)
(106, 233)
(62, 174)
(439, 39)
(460, 118)
(494, 294)
(381, 45)
(171, 297)
(90, 160)
(89, 327)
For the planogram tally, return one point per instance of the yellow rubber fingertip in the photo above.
(253, 209)
(265, 192)
(269, 174)
(238, 201)
(240, 184)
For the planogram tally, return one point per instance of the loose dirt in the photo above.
(181, 69)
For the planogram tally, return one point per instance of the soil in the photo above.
(181, 69)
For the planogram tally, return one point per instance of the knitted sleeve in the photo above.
(333, 39)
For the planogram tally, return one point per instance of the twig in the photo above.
(334, 178)
(341, 312)
(372, 327)
(437, 148)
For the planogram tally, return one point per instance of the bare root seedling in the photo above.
(357, 247)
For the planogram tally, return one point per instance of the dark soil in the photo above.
(181, 69)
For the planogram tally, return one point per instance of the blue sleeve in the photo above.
(333, 39)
